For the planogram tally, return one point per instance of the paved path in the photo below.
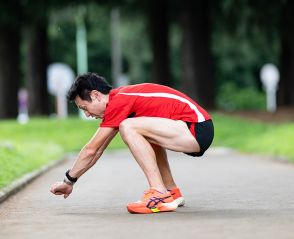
(228, 195)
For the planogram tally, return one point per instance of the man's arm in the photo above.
(92, 151)
(87, 157)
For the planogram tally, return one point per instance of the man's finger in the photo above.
(53, 190)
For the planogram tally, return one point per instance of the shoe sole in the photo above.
(163, 207)
(180, 201)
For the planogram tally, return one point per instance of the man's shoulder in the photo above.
(142, 88)
(136, 87)
(118, 98)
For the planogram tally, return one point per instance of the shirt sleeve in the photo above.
(116, 111)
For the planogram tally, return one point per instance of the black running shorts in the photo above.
(204, 133)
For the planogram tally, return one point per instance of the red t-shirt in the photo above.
(150, 100)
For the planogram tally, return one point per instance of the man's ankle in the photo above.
(171, 187)
(160, 189)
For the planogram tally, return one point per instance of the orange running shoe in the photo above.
(178, 197)
(153, 201)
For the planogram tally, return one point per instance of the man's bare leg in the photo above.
(139, 133)
(145, 157)
(163, 166)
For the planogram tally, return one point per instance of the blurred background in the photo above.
(212, 50)
(218, 52)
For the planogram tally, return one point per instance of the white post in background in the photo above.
(81, 46)
(81, 42)
(115, 47)
(23, 116)
(270, 77)
(59, 79)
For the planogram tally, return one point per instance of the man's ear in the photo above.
(95, 95)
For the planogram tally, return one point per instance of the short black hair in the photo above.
(85, 83)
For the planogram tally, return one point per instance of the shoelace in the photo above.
(148, 193)
(152, 201)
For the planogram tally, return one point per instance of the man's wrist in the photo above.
(69, 179)
(65, 180)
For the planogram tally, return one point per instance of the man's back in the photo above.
(151, 100)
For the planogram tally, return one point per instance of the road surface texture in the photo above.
(228, 195)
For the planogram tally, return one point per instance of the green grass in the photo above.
(255, 137)
(24, 148)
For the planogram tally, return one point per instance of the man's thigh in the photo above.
(169, 134)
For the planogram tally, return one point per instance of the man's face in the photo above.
(95, 108)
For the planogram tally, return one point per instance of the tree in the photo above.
(286, 87)
(10, 19)
(198, 79)
(159, 38)
(36, 14)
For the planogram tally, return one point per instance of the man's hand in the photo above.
(61, 188)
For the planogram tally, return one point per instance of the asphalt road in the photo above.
(228, 195)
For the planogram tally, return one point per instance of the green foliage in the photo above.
(62, 35)
(175, 56)
(99, 40)
(242, 40)
(245, 36)
(135, 47)
(24, 148)
(230, 97)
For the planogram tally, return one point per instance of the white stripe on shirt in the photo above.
(171, 96)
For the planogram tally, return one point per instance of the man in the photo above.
(150, 119)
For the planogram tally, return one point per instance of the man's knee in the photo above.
(126, 127)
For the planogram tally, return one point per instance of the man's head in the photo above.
(90, 93)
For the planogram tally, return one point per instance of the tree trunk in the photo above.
(37, 69)
(9, 70)
(286, 86)
(159, 31)
(198, 80)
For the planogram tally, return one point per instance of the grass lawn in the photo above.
(275, 139)
(24, 148)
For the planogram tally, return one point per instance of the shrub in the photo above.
(230, 98)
